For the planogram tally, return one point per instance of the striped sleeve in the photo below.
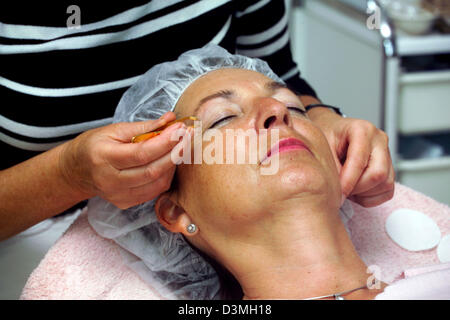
(262, 32)
(57, 82)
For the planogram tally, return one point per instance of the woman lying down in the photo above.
(228, 230)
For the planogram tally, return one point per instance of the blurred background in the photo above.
(388, 62)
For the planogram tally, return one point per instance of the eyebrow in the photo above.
(228, 94)
(275, 85)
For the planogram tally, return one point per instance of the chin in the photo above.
(296, 177)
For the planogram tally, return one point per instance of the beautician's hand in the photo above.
(362, 155)
(103, 162)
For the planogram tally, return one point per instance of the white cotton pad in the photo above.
(412, 230)
(443, 250)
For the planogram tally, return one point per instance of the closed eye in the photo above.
(295, 109)
(220, 121)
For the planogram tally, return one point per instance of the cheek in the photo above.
(319, 143)
(205, 187)
(328, 164)
(220, 197)
(299, 176)
(306, 177)
(314, 175)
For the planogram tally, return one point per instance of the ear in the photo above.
(171, 215)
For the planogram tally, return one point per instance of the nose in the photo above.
(273, 114)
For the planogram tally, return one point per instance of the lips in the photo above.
(284, 145)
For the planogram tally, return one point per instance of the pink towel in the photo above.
(82, 265)
(374, 246)
(425, 283)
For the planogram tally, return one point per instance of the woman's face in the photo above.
(234, 197)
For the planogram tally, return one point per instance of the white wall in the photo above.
(345, 70)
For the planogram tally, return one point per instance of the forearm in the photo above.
(34, 190)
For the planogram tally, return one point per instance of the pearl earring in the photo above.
(191, 228)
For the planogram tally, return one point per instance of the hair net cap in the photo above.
(162, 258)
(159, 89)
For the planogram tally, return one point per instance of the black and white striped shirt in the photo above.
(56, 82)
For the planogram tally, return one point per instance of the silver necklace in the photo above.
(339, 295)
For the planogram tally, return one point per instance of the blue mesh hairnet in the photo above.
(162, 258)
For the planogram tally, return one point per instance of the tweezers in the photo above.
(158, 131)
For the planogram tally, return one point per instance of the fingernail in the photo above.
(343, 199)
(189, 131)
(163, 116)
(180, 131)
(184, 133)
(182, 128)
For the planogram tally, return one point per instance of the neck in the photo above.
(308, 254)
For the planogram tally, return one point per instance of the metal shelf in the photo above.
(424, 164)
(406, 44)
(422, 45)
(425, 175)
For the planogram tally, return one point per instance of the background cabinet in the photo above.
(347, 64)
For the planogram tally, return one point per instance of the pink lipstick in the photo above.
(285, 145)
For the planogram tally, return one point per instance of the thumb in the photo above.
(335, 151)
(339, 170)
(338, 162)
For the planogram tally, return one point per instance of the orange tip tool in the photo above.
(158, 131)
